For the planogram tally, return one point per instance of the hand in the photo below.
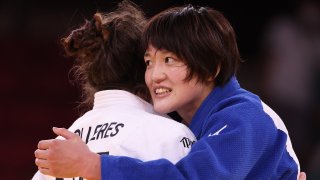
(67, 158)
(302, 176)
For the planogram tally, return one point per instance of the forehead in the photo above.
(152, 51)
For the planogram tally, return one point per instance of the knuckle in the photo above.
(49, 155)
(43, 171)
(39, 144)
(54, 143)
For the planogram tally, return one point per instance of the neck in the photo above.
(187, 112)
(185, 122)
(186, 117)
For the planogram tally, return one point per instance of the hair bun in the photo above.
(84, 41)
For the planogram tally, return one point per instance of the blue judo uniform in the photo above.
(239, 137)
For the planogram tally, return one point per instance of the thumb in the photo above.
(64, 133)
(302, 176)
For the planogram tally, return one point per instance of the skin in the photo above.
(302, 176)
(165, 77)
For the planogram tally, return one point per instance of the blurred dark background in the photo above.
(279, 41)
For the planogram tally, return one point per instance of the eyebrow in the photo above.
(146, 54)
(165, 51)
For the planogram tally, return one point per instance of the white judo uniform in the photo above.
(123, 124)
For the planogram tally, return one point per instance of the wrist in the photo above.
(92, 170)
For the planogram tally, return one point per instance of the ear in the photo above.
(98, 23)
(217, 73)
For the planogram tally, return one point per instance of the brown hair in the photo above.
(202, 37)
(108, 52)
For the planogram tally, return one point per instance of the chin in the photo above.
(161, 110)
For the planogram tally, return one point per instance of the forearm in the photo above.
(120, 167)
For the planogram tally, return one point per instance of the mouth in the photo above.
(162, 91)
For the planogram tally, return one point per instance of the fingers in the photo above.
(41, 163)
(47, 146)
(44, 170)
(44, 144)
(64, 133)
(41, 154)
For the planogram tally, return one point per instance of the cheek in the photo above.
(178, 74)
(147, 78)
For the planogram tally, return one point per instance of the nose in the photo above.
(158, 73)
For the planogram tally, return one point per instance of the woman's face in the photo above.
(165, 77)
